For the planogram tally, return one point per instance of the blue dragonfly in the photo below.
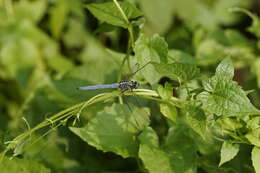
(124, 85)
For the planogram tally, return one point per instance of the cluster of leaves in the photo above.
(193, 115)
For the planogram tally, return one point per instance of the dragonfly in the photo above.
(124, 85)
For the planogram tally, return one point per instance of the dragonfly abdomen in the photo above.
(94, 87)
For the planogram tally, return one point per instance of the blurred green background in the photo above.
(50, 47)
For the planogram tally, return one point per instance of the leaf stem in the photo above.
(121, 11)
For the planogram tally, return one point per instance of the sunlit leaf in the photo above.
(147, 49)
(169, 111)
(155, 159)
(228, 152)
(254, 137)
(114, 130)
(256, 158)
(196, 119)
(178, 71)
(161, 21)
(32, 10)
(22, 165)
(58, 17)
(109, 12)
(223, 96)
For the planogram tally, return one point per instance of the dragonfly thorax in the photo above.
(128, 85)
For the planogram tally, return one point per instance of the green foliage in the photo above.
(194, 112)
(111, 13)
(114, 130)
(178, 71)
(256, 158)
(224, 97)
(148, 49)
(228, 152)
(22, 165)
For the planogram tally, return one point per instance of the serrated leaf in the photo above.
(108, 12)
(256, 158)
(114, 130)
(178, 71)
(222, 96)
(228, 152)
(225, 69)
(22, 166)
(150, 48)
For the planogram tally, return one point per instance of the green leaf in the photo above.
(196, 119)
(199, 14)
(22, 166)
(160, 21)
(154, 159)
(221, 10)
(60, 64)
(256, 158)
(254, 137)
(149, 137)
(222, 96)
(150, 48)
(166, 91)
(176, 156)
(254, 28)
(178, 71)
(256, 70)
(109, 13)
(209, 51)
(19, 54)
(32, 10)
(181, 150)
(228, 43)
(254, 123)
(230, 123)
(169, 111)
(182, 57)
(225, 69)
(115, 130)
(228, 152)
(58, 17)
